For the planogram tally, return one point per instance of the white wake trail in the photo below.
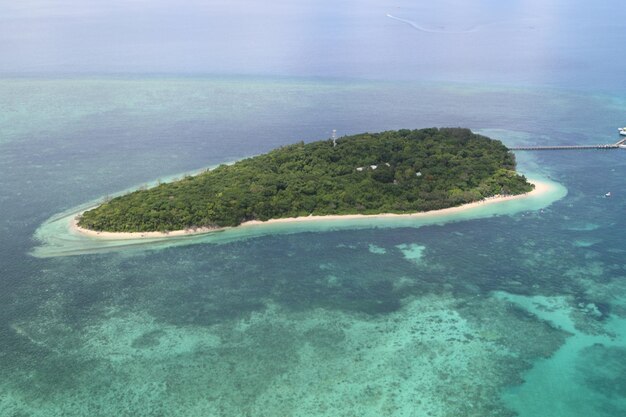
(427, 30)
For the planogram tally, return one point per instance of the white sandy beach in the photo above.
(75, 228)
(540, 189)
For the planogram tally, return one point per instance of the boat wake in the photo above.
(428, 30)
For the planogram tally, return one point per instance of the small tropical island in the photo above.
(392, 172)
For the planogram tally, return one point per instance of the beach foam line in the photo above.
(60, 235)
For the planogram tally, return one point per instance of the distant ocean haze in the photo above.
(562, 43)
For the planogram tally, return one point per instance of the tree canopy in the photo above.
(402, 171)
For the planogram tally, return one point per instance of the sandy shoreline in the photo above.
(540, 188)
(74, 227)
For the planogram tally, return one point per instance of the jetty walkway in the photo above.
(618, 145)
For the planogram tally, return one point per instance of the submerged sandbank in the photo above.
(541, 188)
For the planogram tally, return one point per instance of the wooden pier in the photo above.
(618, 145)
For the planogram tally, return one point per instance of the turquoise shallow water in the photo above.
(522, 312)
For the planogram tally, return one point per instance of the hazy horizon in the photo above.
(526, 42)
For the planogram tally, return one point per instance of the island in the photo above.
(393, 172)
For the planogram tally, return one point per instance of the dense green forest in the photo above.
(401, 171)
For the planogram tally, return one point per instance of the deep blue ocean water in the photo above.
(521, 314)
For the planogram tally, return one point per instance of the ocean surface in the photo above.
(520, 312)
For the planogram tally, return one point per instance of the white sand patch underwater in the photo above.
(412, 251)
(376, 249)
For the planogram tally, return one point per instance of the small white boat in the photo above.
(622, 131)
(607, 194)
